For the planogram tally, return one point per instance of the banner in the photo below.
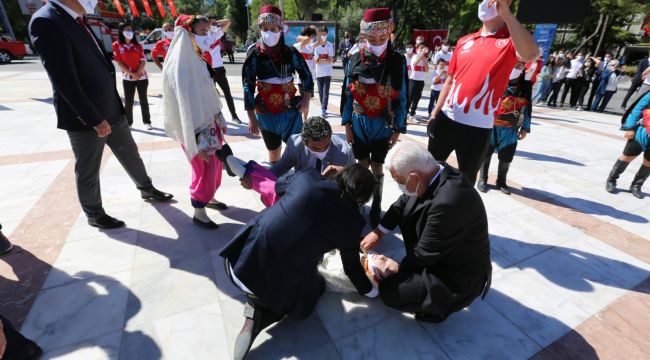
(172, 8)
(544, 36)
(120, 10)
(147, 8)
(161, 8)
(134, 9)
(432, 38)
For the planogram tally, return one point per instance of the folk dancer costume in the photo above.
(374, 100)
(516, 101)
(191, 111)
(270, 69)
(636, 118)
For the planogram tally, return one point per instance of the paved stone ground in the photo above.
(571, 262)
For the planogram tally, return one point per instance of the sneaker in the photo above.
(323, 113)
(578, 108)
(149, 127)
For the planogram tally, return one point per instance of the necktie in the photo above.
(319, 164)
(87, 31)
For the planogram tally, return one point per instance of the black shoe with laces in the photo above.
(105, 222)
(155, 194)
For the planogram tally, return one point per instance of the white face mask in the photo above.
(515, 73)
(607, 59)
(445, 47)
(128, 34)
(580, 57)
(319, 155)
(88, 5)
(485, 13)
(215, 28)
(270, 38)
(561, 55)
(409, 50)
(169, 34)
(323, 37)
(405, 191)
(377, 50)
(419, 41)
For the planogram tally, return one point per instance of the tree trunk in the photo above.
(602, 35)
(588, 39)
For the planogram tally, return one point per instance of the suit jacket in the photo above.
(446, 236)
(82, 75)
(277, 253)
(297, 156)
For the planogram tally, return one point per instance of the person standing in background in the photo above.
(438, 78)
(159, 51)
(607, 87)
(344, 48)
(129, 56)
(419, 70)
(572, 83)
(601, 66)
(443, 53)
(541, 95)
(305, 45)
(637, 79)
(87, 104)
(558, 79)
(588, 73)
(208, 38)
(410, 52)
(324, 58)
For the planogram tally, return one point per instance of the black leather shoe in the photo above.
(236, 120)
(105, 222)
(29, 351)
(482, 186)
(206, 225)
(155, 194)
(217, 206)
(504, 189)
(432, 318)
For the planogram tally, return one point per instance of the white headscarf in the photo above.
(190, 101)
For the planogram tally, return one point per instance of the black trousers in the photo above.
(324, 90)
(416, 87)
(583, 91)
(594, 88)
(222, 81)
(88, 149)
(633, 87)
(15, 340)
(129, 95)
(506, 154)
(555, 91)
(568, 86)
(469, 142)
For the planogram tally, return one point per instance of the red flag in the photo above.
(134, 10)
(432, 38)
(120, 10)
(147, 8)
(172, 8)
(161, 8)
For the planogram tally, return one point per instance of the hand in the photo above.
(503, 8)
(203, 156)
(304, 103)
(433, 115)
(522, 134)
(393, 139)
(332, 170)
(246, 182)
(134, 76)
(629, 134)
(103, 129)
(370, 241)
(349, 135)
(253, 126)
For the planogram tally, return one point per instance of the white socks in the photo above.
(202, 215)
(237, 166)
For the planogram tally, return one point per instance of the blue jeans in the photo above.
(433, 100)
(603, 100)
(542, 91)
(324, 90)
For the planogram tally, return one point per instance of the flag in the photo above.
(161, 8)
(134, 10)
(147, 8)
(172, 8)
(120, 10)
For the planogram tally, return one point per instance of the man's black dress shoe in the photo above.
(217, 206)
(206, 225)
(432, 318)
(155, 194)
(105, 222)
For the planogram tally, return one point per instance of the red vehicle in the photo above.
(11, 49)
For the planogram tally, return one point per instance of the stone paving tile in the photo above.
(566, 256)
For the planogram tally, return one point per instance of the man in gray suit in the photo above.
(86, 102)
(314, 147)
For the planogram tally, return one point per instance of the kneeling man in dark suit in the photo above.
(445, 231)
(274, 258)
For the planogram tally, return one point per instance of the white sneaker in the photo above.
(578, 108)
(149, 127)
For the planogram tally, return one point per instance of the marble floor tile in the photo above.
(100, 255)
(105, 347)
(169, 288)
(386, 340)
(480, 332)
(78, 311)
